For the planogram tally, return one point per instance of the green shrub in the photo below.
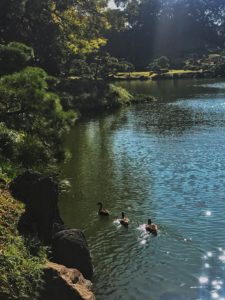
(118, 95)
(87, 95)
(33, 120)
(14, 57)
(20, 272)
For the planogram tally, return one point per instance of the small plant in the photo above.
(119, 95)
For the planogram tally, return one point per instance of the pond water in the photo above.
(165, 161)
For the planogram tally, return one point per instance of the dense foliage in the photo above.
(57, 30)
(86, 96)
(138, 31)
(32, 119)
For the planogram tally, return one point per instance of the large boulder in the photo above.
(70, 248)
(64, 283)
(40, 195)
(41, 218)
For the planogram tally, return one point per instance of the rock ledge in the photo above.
(65, 283)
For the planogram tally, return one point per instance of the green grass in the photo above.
(181, 71)
(144, 74)
(134, 74)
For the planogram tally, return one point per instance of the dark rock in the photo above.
(59, 227)
(41, 219)
(70, 248)
(3, 183)
(64, 283)
(40, 195)
(26, 226)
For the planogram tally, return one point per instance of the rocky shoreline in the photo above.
(69, 270)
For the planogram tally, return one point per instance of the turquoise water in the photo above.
(164, 160)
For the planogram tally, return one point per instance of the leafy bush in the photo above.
(33, 118)
(119, 95)
(95, 95)
(14, 57)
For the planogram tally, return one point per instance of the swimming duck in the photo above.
(102, 211)
(151, 227)
(124, 221)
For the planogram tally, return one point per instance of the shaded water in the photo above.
(164, 160)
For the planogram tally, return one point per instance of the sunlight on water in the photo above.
(222, 258)
(144, 235)
(215, 295)
(143, 242)
(209, 254)
(217, 85)
(117, 223)
(217, 284)
(163, 161)
(203, 280)
(208, 213)
(214, 286)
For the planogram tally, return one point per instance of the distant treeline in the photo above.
(86, 38)
(177, 29)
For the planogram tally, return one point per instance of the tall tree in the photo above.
(55, 29)
(174, 28)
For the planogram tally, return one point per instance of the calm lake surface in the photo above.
(164, 160)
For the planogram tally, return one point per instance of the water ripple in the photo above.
(162, 161)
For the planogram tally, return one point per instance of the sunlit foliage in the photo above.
(55, 29)
(32, 120)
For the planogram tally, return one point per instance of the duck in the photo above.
(102, 211)
(124, 221)
(151, 227)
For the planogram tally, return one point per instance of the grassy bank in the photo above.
(151, 75)
(86, 96)
(20, 271)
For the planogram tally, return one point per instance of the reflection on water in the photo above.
(164, 161)
(175, 89)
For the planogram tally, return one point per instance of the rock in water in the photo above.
(64, 283)
(70, 248)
